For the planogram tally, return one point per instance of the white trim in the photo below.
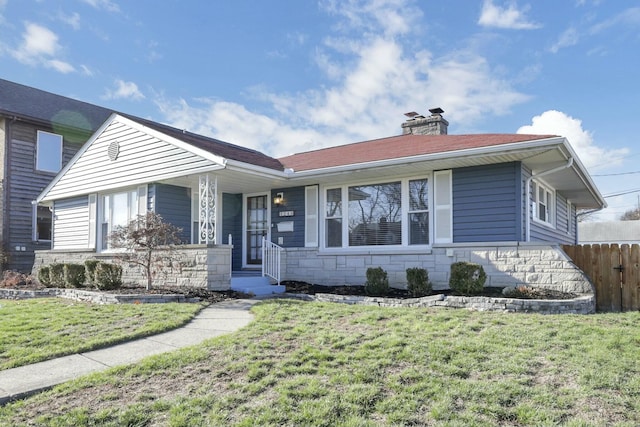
(93, 220)
(311, 216)
(38, 150)
(141, 193)
(549, 203)
(403, 215)
(442, 207)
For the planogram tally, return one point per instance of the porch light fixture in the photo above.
(279, 199)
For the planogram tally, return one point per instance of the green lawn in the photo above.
(39, 329)
(313, 364)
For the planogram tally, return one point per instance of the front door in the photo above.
(257, 226)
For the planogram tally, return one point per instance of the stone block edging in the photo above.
(581, 305)
(95, 297)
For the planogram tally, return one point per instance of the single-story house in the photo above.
(420, 199)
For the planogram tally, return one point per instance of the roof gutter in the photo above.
(528, 193)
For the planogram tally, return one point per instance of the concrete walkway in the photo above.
(217, 319)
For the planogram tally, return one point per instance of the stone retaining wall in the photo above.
(580, 305)
(206, 267)
(94, 297)
(537, 265)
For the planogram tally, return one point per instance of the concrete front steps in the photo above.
(252, 282)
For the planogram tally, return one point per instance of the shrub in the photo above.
(43, 276)
(56, 275)
(90, 271)
(418, 283)
(14, 279)
(377, 284)
(74, 275)
(467, 278)
(108, 276)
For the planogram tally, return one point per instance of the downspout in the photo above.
(528, 196)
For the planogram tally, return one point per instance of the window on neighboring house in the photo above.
(48, 152)
(543, 201)
(117, 210)
(42, 223)
(376, 214)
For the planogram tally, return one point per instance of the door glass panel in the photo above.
(256, 228)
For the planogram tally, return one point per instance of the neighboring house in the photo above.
(421, 199)
(39, 133)
(609, 232)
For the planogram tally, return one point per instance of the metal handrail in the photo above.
(271, 254)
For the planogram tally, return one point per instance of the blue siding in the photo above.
(293, 201)
(232, 224)
(487, 203)
(173, 204)
(559, 233)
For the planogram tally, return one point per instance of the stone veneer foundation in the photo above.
(207, 267)
(539, 265)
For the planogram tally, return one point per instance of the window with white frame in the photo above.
(48, 152)
(117, 209)
(42, 223)
(377, 214)
(544, 203)
(333, 218)
(419, 212)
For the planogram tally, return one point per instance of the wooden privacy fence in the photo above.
(615, 272)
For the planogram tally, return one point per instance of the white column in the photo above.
(207, 196)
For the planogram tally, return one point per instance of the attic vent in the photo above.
(114, 150)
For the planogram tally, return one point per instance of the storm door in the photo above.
(257, 227)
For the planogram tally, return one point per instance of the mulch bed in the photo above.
(296, 287)
(18, 281)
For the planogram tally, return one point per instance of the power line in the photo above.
(616, 174)
(622, 193)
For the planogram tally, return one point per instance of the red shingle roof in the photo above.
(398, 147)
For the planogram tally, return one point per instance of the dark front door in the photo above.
(257, 228)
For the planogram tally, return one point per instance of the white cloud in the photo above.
(40, 46)
(124, 90)
(376, 74)
(627, 18)
(72, 20)
(569, 37)
(554, 122)
(60, 66)
(509, 17)
(107, 5)
(37, 42)
(86, 70)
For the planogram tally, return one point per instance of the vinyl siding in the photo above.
(558, 233)
(23, 183)
(142, 158)
(486, 203)
(293, 201)
(173, 204)
(232, 224)
(71, 226)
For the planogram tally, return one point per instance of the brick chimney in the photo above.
(417, 124)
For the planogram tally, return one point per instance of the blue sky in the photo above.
(288, 76)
